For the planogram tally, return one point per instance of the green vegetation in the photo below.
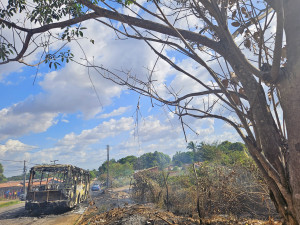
(225, 153)
(149, 160)
(15, 178)
(2, 177)
(126, 166)
(21, 177)
(93, 174)
(183, 158)
(128, 159)
(5, 204)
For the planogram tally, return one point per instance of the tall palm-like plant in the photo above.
(192, 146)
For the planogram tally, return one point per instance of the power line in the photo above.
(13, 170)
(12, 167)
(8, 160)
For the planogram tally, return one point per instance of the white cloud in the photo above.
(14, 146)
(65, 121)
(224, 136)
(115, 112)
(74, 88)
(152, 129)
(12, 154)
(110, 128)
(16, 123)
(133, 9)
(6, 69)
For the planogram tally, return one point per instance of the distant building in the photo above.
(11, 189)
(170, 168)
(198, 164)
(149, 170)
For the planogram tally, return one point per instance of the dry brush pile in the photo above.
(207, 190)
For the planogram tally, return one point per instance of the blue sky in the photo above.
(60, 117)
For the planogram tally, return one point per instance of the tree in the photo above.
(227, 146)
(192, 146)
(118, 170)
(255, 88)
(93, 174)
(226, 153)
(103, 168)
(2, 177)
(150, 159)
(131, 159)
(183, 158)
(208, 152)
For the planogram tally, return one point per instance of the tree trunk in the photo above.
(290, 101)
(267, 139)
(267, 136)
(289, 88)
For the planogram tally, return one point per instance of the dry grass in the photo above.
(147, 214)
(219, 190)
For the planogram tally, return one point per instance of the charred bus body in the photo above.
(57, 187)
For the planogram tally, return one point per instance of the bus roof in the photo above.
(57, 167)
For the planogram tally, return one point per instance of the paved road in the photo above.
(17, 215)
(104, 200)
(12, 211)
(108, 199)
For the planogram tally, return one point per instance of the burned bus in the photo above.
(56, 187)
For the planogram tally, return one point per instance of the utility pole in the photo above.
(24, 185)
(107, 178)
(54, 161)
